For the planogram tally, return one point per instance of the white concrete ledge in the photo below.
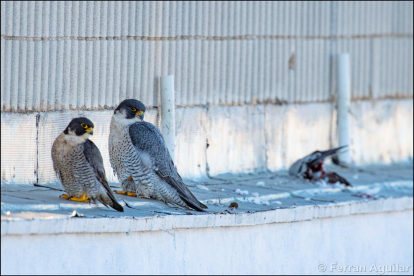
(283, 225)
(262, 199)
(70, 225)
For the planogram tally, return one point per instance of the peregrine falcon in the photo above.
(311, 167)
(79, 166)
(141, 161)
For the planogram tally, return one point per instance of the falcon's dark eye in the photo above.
(84, 125)
(133, 109)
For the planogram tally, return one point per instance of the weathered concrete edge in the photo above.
(68, 225)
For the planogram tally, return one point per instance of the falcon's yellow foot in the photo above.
(64, 196)
(83, 198)
(125, 193)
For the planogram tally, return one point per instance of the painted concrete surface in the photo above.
(18, 148)
(296, 130)
(220, 139)
(236, 140)
(283, 225)
(261, 198)
(381, 132)
(305, 247)
(190, 142)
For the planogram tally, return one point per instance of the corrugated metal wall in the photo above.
(92, 55)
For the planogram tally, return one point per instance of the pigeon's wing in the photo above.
(334, 177)
(324, 154)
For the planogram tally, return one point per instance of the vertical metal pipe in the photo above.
(168, 112)
(343, 105)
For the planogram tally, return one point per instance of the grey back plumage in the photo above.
(147, 138)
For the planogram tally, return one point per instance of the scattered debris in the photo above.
(323, 183)
(260, 201)
(202, 187)
(75, 214)
(363, 195)
(320, 183)
(373, 191)
(226, 212)
(241, 192)
(369, 193)
(233, 205)
(260, 183)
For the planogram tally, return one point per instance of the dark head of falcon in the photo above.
(131, 108)
(79, 127)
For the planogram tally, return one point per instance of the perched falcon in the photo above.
(79, 166)
(311, 167)
(141, 161)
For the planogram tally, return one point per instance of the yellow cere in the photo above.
(140, 112)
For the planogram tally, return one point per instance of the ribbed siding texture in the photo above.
(368, 18)
(393, 63)
(91, 55)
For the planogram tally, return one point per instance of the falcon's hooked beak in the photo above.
(89, 130)
(140, 115)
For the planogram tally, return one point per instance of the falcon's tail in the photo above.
(195, 204)
(117, 206)
(184, 192)
(113, 203)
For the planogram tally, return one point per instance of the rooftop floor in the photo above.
(261, 197)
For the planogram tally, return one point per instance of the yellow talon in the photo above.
(83, 198)
(125, 193)
(64, 196)
(130, 178)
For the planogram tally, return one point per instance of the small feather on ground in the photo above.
(241, 192)
(202, 187)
